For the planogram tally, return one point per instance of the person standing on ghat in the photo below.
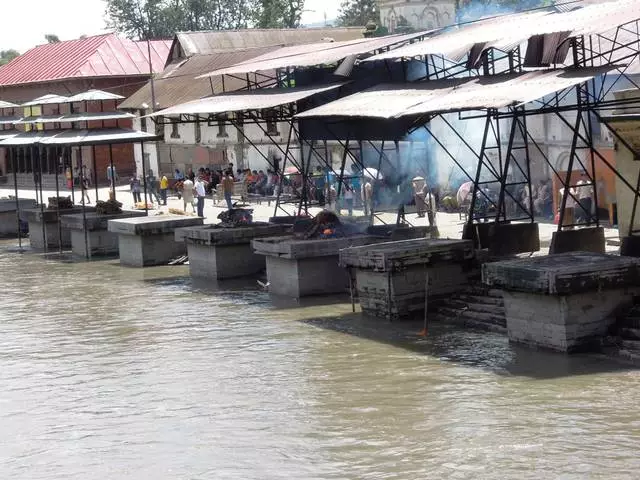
(135, 189)
(228, 186)
(164, 186)
(200, 190)
(187, 194)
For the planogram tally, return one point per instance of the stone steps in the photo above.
(475, 307)
(473, 315)
(461, 304)
(480, 299)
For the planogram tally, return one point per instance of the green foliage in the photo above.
(358, 13)
(142, 19)
(7, 55)
(278, 13)
(51, 38)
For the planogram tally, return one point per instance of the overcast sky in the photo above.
(25, 22)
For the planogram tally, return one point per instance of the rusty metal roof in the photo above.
(99, 56)
(395, 101)
(513, 29)
(209, 42)
(246, 100)
(177, 84)
(314, 54)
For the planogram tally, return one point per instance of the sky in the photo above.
(26, 22)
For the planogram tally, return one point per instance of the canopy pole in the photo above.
(12, 158)
(95, 170)
(113, 172)
(84, 212)
(44, 225)
(144, 179)
(57, 160)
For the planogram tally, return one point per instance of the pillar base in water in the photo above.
(36, 217)
(8, 218)
(564, 302)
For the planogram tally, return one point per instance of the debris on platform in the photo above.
(61, 203)
(110, 207)
(236, 217)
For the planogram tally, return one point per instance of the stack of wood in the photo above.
(110, 207)
(61, 203)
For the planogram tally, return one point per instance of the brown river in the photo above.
(115, 373)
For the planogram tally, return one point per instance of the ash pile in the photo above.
(110, 207)
(237, 217)
(325, 225)
(62, 203)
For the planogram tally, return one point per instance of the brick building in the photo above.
(105, 62)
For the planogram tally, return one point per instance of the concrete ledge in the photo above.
(9, 217)
(153, 225)
(95, 221)
(9, 205)
(293, 248)
(211, 235)
(563, 274)
(36, 215)
(579, 240)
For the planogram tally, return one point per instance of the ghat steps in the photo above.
(475, 306)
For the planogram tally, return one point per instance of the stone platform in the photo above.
(36, 218)
(8, 217)
(222, 253)
(99, 240)
(147, 241)
(391, 277)
(564, 302)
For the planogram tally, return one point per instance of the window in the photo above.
(222, 126)
(175, 132)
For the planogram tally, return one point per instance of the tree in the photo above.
(358, 13)
(51, 38)
(7, 55)
(278, 13)
(142, 19)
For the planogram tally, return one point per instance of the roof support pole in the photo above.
(44, 226)
(95, 170)
(144, 180)
(113, 173)
(87, 254)
(567, 182)
(474, 195)
(284, 167)
(57, 160)
(14, 166)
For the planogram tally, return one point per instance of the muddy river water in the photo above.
(116, 373)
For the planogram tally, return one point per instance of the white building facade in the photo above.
(420, 15)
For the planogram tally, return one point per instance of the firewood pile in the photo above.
(237, 217)
(110, 207)
(61, 203)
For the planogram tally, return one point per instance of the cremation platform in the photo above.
(391, 277)
(98, 241)
(564, 302)
(8, 217)
(300, 268)
(53, 229)
(222, 253)
(147, 241)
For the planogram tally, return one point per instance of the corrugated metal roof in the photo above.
(394, 101)
(314, 54)
(514, 29)
(241, 101)
(48, 99)
(177, 84)
(99, 56)
(209, 42)
(77, 137)
(4, 104)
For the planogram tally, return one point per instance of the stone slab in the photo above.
(9, 205)
(153, 225)
(94, 221)
(563, 323)
(563, 274)
(391, 256)
(579, 240)
(36, 215)
(211, 235)
(293, 248)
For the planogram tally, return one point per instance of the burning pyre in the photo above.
(110, 207)
(326, 225)
(62, 203)
(234, 218)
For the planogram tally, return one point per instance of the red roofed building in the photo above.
(105, 62)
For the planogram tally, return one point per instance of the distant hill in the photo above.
(329, 23)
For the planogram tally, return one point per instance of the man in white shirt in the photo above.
(200, 190)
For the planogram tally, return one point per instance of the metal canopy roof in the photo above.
(4, 104)
(77, 137)
(245, 100)
(46, 100)
(395, 101)
(94, 95)
(507, 31)
(313, 54)
(73, 118)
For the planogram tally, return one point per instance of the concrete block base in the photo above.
(100, 243)
(50, 236)
(219, 262)
(306, 276)
(564, 323)
(149, 250)
(580, 240)
(401, 294)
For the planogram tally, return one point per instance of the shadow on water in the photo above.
(473, 348)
